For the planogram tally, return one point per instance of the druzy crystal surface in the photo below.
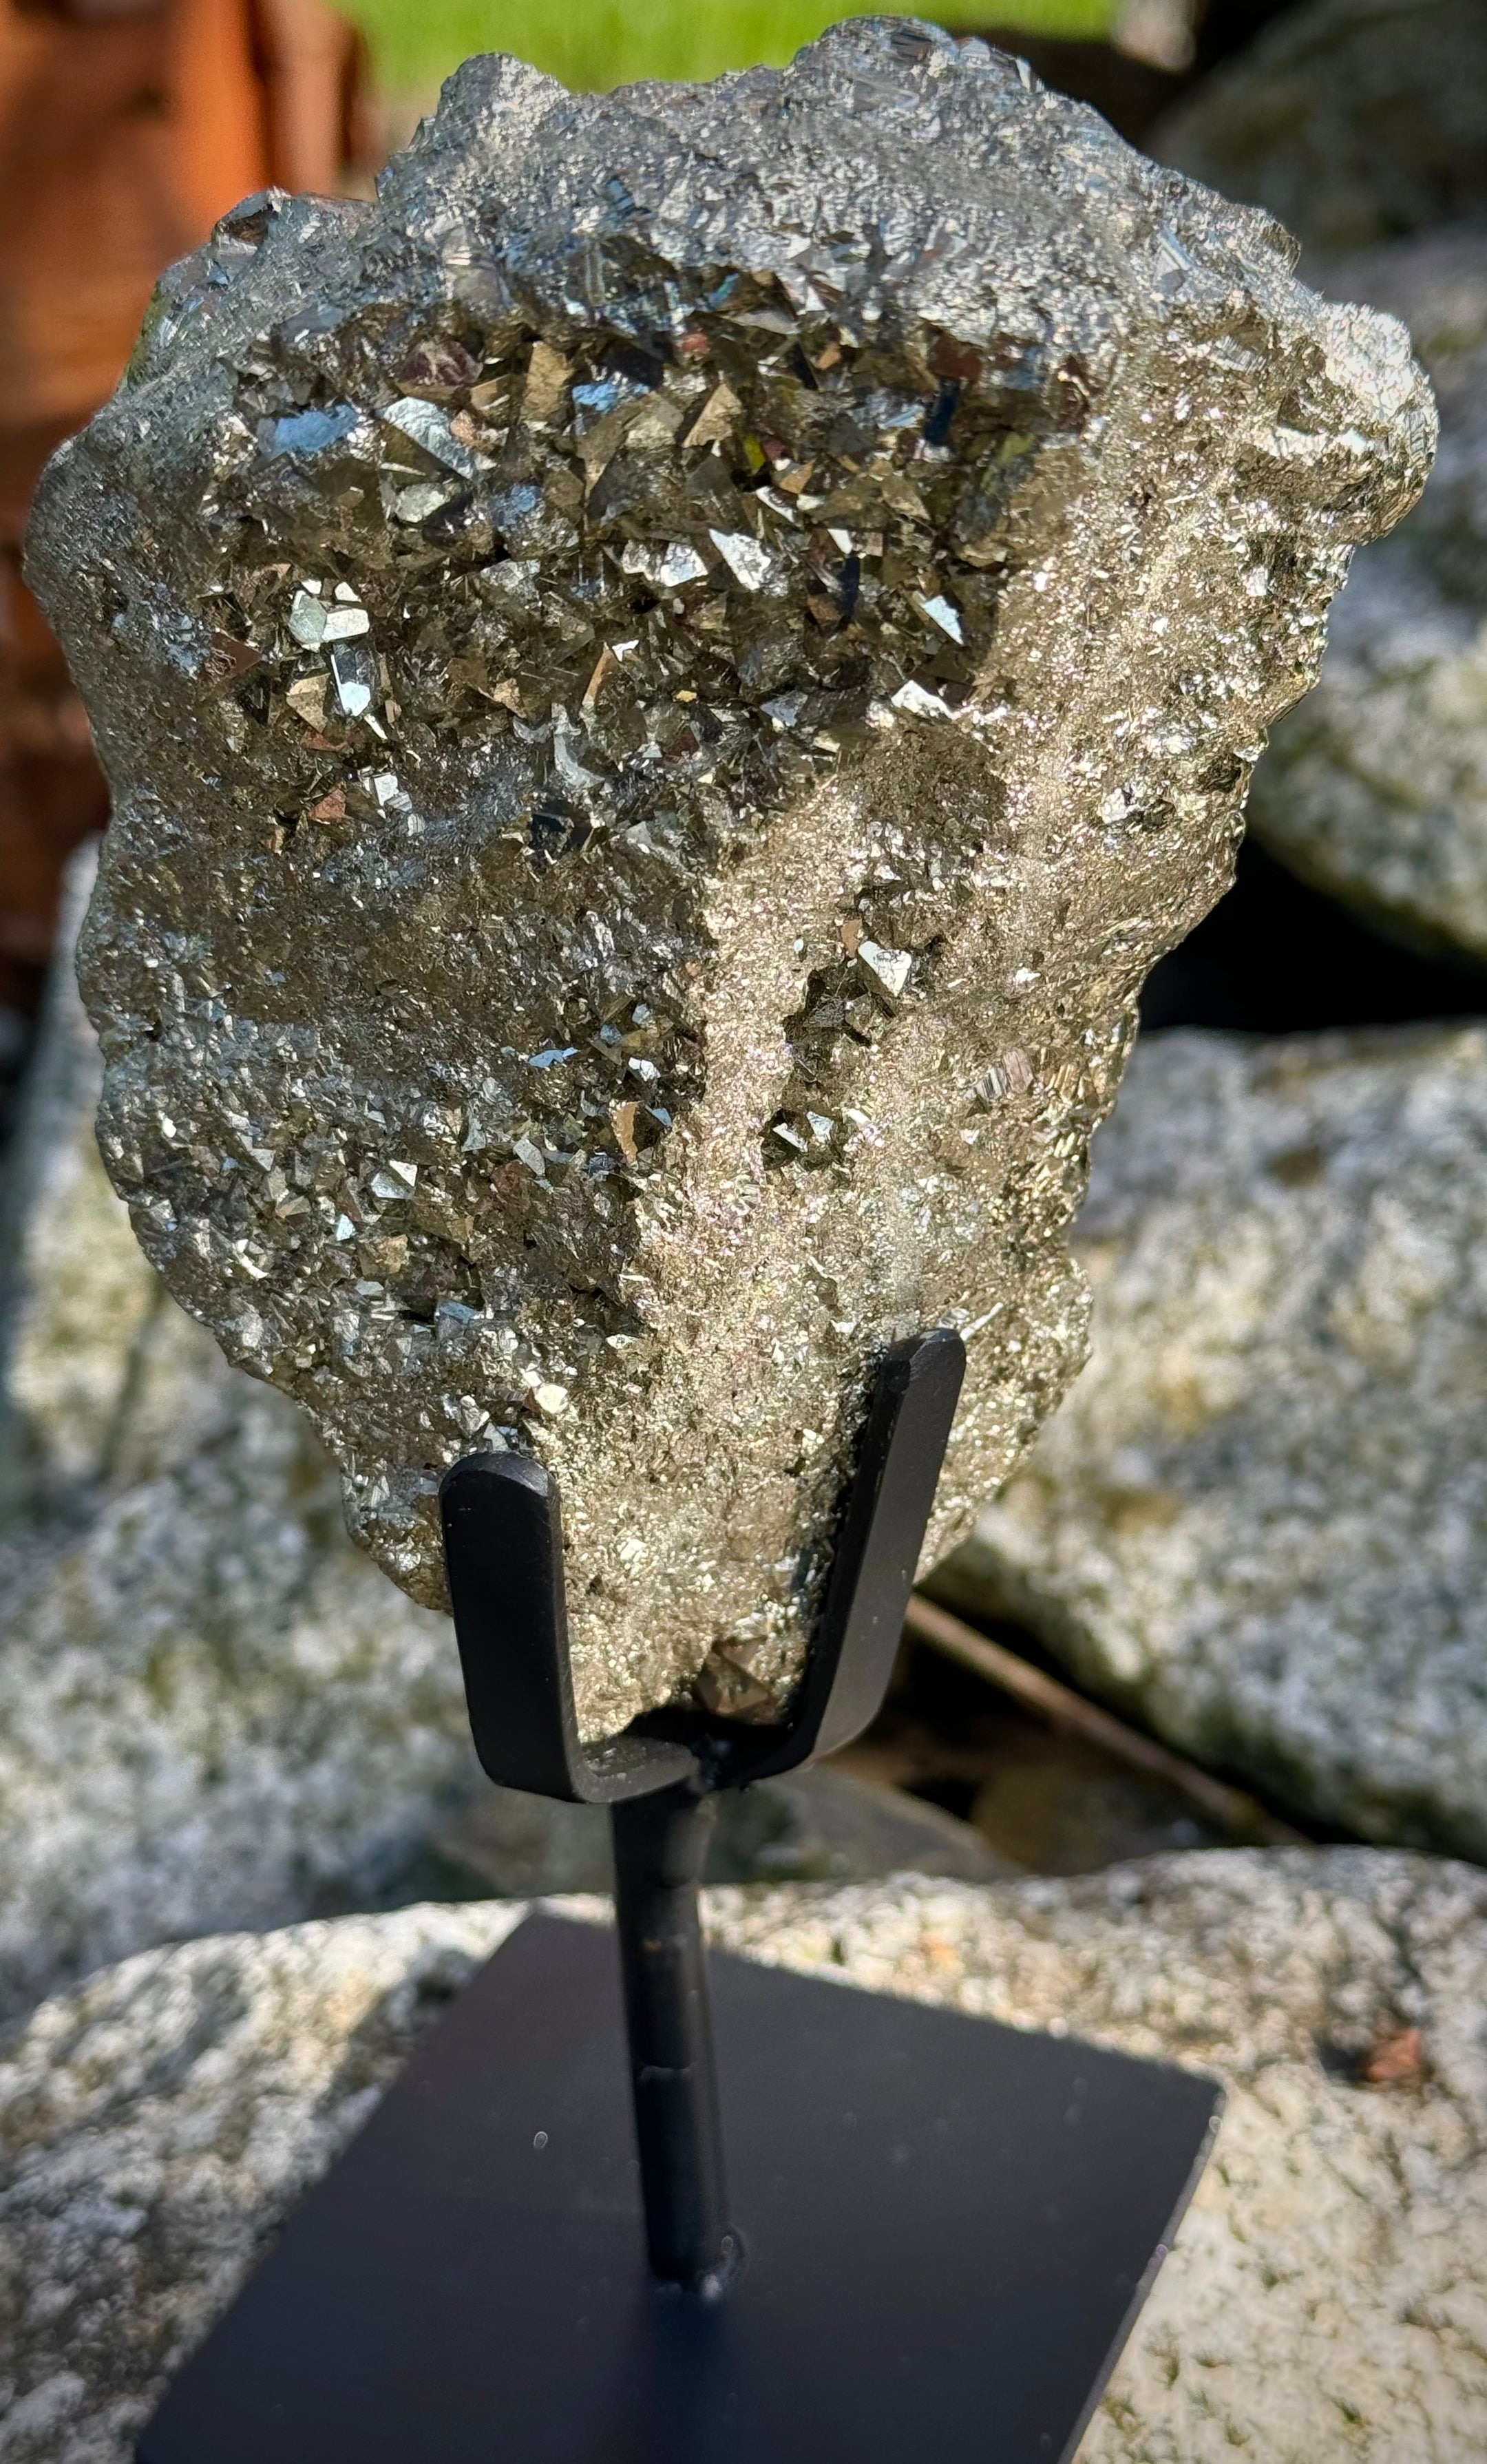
(664, 684)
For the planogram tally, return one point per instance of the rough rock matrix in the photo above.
(1260, 1518)
(213, 1711)
(1322, 2305)
(1352, 121)
(664, 686)
(1376, 788)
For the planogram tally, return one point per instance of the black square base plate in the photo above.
(949, 2227)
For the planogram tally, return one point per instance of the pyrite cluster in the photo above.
(664, 686)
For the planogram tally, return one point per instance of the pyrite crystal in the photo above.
(663, 685)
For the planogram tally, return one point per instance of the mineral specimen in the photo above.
(664, 684)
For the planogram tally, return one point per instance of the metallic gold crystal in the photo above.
(664, 684)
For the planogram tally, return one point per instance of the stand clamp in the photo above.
(503, 1546)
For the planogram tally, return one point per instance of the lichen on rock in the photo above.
(664, 686)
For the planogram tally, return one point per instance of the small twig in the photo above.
(1062, 1709)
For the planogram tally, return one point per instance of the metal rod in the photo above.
(660, 1843)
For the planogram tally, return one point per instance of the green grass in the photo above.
(416, 43)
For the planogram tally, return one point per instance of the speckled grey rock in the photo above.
(1353, 122)
(664, 686)
(1376, 788)
(1260, 1518)
(1322, 2305)
(213, 1710)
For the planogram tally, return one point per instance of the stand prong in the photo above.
(660, 1843)
(503, 1545)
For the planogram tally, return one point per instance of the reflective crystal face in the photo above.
(664, 685)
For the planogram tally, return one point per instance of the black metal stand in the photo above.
(944, 2228)
(503, 1543)
(660, 1844)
